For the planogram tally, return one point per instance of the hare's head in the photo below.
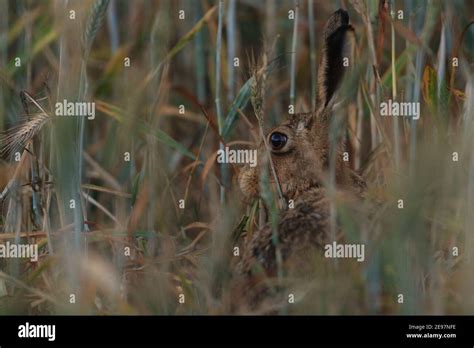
(299, 147)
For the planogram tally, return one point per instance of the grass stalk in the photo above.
(441, 60)
(467, 146)
(258, 90)
(63, 150)
(419, 62)
(220, 119)
(294, 42)
(396, 126)
(231, 29)
(200, 57)
(4, 22)
(94, 21)
(112, 25)
(312, 52)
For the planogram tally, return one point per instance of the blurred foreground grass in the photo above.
(155, 220)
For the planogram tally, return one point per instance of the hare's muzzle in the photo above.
(248, 181)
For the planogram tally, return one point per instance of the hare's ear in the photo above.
(338, 42)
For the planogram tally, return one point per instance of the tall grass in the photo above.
(312, 52)
(294, 42)
(189, 250)
(219, 113)
(231, 47)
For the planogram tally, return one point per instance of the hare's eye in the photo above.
(278, 140)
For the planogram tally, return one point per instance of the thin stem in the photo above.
(293, 56)
(396, 130)
(220, 120)
(312, 53)
(231, 48)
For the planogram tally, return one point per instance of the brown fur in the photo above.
(301, 167)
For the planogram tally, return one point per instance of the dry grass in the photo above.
(131, 247)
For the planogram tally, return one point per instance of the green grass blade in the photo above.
(240, 102)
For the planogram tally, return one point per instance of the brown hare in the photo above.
(299, 150)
